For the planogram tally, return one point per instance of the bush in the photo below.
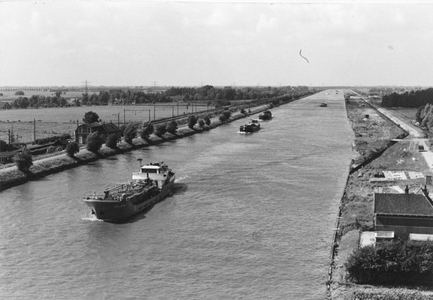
(207, 120)
(52, 139)
(23, 160)
(72, 148)
(405, 263)
(111, 141)
(146, 130)
(192, 120)
(19, 93)
(3, 146)
(94, 142)
(171, 126)
(201, 123)
(160, 129)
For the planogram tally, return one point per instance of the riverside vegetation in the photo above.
(384, 272)
(147, 135)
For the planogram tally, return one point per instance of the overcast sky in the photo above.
(218, 43)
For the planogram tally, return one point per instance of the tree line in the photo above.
(409, 99)
(208, 94)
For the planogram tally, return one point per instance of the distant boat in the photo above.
(323, 104)
(266, 115)
(250, 127)
(148, 186)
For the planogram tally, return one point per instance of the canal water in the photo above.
(251, 217)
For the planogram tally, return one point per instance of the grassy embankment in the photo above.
(60, 162)
(372, 135)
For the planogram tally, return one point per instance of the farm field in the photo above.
(56, 121)
(10, 95)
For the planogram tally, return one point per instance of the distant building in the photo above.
(5, 105)
(104, 129)
(406, 215)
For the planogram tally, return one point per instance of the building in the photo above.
(406, 215)
(5, 105)
(104, 129)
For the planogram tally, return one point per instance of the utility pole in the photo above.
(86, 89)
(34, 130)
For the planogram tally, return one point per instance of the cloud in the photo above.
(266, 23)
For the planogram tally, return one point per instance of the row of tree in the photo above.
(424, 116)
(209, 94)
(409, 99)
(36, 101)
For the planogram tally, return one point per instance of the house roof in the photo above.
(110, 127)
(4, 104)
(402, 204)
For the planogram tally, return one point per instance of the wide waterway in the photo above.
(251, 217)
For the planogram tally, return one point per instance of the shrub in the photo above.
(19, 93)
(171, 126)
(207, 120)
(111, 141)
(201, 123)
(72, 148)
(3, 146)
(192, 120)
(23, 160)
(146, 130)
(160, 129)
(403, 263)
(94, 142)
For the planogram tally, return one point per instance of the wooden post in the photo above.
(34, 130)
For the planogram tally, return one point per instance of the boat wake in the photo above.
(91, 218)
(181, 178)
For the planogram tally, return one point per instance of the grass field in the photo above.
(10, 95)
(56, 121)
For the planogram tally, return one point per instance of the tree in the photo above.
(94, 142)
(90, 117)
(72, 148)
(111, 141)
(19, 93)
(160, 129)
(192, 120)
(172, 126)
(146, 130)
(129, 133)
(3, 146)
(23, 160)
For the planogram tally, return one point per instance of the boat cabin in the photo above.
(155, 171)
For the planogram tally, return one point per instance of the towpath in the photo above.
(416, 134)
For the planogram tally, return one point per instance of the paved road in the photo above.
(415, 133)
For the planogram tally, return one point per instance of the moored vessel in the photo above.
(250, 127)
(266, 115)
(149, 185)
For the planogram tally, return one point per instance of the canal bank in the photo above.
(11, 177)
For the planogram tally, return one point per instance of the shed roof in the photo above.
(402, 204)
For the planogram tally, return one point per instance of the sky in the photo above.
(220, 43)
